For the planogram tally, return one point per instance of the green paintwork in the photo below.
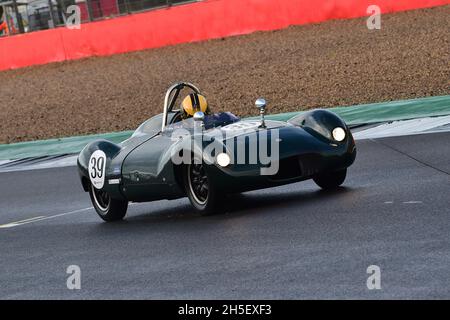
(353, 115)
(147, 172)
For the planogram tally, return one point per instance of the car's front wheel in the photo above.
(330, 180)
(107, 208)
(199, 188)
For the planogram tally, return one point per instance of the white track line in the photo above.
(41, 218)
(13, 224)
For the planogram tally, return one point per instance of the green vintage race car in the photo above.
(207, 156)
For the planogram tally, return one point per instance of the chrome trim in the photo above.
(261, 105)
(114, 181)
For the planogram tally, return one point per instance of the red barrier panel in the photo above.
(203, 20)
(29, 49)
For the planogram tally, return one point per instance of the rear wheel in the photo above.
(107, 208)
(199, 188)
(330, 180)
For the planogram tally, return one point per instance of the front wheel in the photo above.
(330, 180)
(107, 208)
(199, 188)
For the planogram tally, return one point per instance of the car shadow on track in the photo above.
(241, 204)
(232, 206)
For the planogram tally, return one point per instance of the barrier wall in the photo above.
(198, 21)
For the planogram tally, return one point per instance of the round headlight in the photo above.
(223, 159)
(338, 134)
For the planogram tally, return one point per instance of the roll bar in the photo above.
(172, 95)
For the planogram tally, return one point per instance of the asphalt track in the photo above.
(290, 242)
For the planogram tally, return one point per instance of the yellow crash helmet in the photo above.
(193, 103)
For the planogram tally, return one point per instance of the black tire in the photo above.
(107, 208)
(330, 180)
(199, 188)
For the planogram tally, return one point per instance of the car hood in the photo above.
(244, 127)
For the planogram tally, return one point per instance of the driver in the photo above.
(193, 103)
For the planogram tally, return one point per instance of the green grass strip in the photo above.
(353, 115)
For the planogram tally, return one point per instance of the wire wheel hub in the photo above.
(198, 183)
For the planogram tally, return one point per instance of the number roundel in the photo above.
(97, 165)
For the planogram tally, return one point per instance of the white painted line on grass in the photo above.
(402, 128)
(389, 129)
(69, 161)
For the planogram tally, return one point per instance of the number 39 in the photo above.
(97, 164)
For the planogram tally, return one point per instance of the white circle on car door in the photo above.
(97, 166)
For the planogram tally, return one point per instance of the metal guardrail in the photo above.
(21, 16)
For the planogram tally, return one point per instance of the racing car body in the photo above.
(208, 156)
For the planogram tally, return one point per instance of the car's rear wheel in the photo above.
(199, 188)
(107, 208)
(330, 180)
